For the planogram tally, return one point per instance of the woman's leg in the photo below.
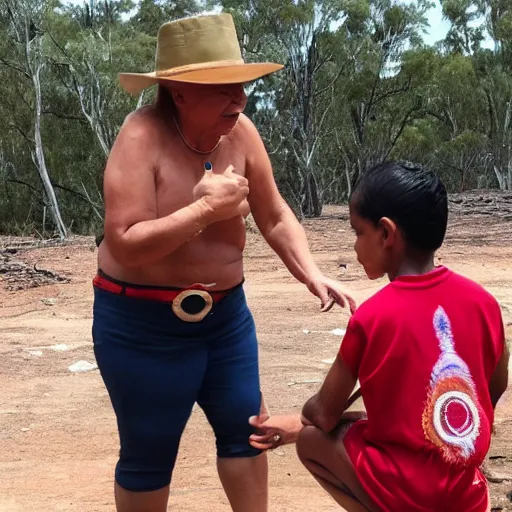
(229, 396)
(151, 501)
(245, 482)
(153, 380)
(324, 455)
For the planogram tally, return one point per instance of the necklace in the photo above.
(192, 148)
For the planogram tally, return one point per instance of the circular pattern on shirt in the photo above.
(456, 418)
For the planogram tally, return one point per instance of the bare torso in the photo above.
(213, 256)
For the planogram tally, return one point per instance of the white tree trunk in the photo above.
(41, 163)
(20, 17)
(92, 108)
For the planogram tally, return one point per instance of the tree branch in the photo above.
(405, 120)
(393, 92)
(20, 182)
(85, 199)
(335, 79)
(64, 116)
(14, 67)
(70, 190)
(23, 134)
(35, 193)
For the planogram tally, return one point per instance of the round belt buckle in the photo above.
(191, 298)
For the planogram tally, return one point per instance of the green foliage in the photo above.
(359, 86)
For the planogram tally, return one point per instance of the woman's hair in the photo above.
(164, 100)
(412, 196)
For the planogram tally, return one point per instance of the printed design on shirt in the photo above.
(451, 419)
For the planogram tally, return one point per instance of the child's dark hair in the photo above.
(412, 196)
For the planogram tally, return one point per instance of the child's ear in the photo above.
(389, 229)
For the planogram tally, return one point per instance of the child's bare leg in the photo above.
(326, 458)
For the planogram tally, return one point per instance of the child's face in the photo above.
(373, 244)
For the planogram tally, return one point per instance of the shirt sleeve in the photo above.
(353, 347)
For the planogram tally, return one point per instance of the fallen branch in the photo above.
(17, 275)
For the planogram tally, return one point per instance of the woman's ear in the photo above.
(177, 97)
(389, 229)
(176, 93)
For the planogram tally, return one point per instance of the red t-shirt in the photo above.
(424, 349)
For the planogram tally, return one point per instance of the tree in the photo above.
(25, 28)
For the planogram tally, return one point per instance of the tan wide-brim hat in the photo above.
(200, 50)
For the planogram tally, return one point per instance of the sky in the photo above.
(438, 26)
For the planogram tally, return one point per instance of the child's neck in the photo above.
(410, 266)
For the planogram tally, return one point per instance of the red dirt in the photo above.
(57, 429)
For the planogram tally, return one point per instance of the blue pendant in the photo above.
(208, 167)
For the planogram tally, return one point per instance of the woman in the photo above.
(171, 323)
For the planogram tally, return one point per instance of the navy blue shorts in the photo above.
(156, 366)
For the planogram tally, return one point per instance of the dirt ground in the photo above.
(58, 438)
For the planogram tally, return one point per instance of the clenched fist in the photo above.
(223, 194)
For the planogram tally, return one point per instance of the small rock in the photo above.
(497, 478)
(37, 353)
(60, 347)
(82, 366)
(338, 332)
(49, 302)
(25, 429)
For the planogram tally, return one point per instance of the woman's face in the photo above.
(210, 108)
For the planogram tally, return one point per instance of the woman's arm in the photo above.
(134, 233)
(280, 227)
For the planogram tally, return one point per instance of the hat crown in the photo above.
(197, 40)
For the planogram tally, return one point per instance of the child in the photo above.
(430, 355)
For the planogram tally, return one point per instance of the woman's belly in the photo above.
(218, 264)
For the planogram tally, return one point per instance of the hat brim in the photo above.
(135, 83)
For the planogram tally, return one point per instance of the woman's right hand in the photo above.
(274, 431)
(223, 195)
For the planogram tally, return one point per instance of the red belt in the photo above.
(144, 292)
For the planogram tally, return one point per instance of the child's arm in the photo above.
(499, 379)
(325, 409)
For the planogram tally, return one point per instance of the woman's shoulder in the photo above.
(245, 130)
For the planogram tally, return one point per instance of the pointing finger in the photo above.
(328, 305)
(324, 297)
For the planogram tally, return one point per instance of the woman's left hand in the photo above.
(274, 431)
(330, 292)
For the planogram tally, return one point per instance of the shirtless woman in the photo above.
(171, 324)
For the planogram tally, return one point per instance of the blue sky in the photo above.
(438, 26)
